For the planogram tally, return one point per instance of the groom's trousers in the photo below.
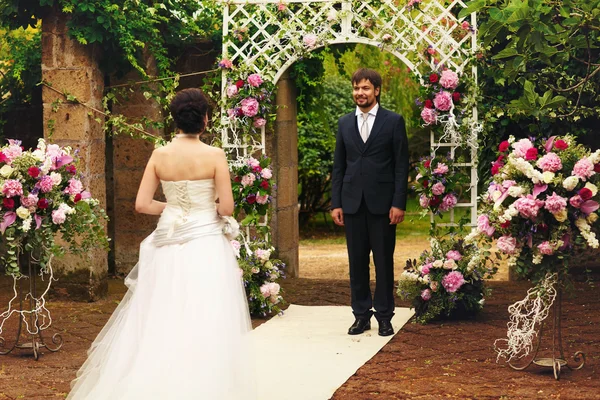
(366, 232)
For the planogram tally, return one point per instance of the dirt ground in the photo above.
(443, 360)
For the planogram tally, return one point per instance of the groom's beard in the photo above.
(364, 102)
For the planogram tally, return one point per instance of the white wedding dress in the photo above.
(182, 330)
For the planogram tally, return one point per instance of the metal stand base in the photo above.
(35, 340)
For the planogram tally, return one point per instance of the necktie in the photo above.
(364, 128)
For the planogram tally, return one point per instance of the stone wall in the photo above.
(71, 67)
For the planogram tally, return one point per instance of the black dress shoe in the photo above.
(385, 328)
(359, 326)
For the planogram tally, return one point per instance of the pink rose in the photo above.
(266, 173)
(12, 188)
(438, 188)
(441, 168)
(310, 40)
(555, 203)
(13, 151)
(549, 162)
(259, 122)
(426, 294)
(449, 79)
(507, 244)
(255, 80)
(253, 162)
(429, 115)
(264, 290)
(423, 201)
(249, 106)
(546, 248)
(465, 25)
(583, 169)
(453, 281)
(426, 268)
(75, 187)
(225, 63)
(576, 201)
(521, 147)
(248, 180)
(483, 225)
(262, 199)
(443, 101)
(453, 255)
(231, 90)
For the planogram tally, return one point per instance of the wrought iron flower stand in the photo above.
(33, 316)
(558, 359)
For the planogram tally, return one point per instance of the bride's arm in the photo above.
(223, 185)
(144, 202)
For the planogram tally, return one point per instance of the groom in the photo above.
(369, 186)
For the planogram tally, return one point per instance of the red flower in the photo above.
(428, 103)
(561, 144)
(596, 168)
(427, 163)
(543, 227)
(505, 224)
(42, 203)
(456, 97)
(251, 199)
(435, 201)
(77, 197)
(503, 146)
(531, 154)
(585, 193)
(425, 183)
(496, 167)
(239, 84)
(2, 157)
(8, 203)
(500, 158)
(33, 172)
(264, 184)
(433, 78)
(71, 169)
(237, 179)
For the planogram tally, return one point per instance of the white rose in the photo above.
(23, 213)
(570, 182)
(592, 187)
(66, 209)
(515, 191)
(593, 217)
(6, 170)
(561, 216)
(548, 176)
(595, 157)
(438, 264)
(496, 195)
(39, 154)
(56, 178)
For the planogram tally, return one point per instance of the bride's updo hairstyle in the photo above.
(189, 108)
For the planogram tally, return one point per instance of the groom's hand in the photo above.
(396, 215)
(338, 216)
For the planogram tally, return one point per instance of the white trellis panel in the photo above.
(273, 33)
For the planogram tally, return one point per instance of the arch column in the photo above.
(284, 148)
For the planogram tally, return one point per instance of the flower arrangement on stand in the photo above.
(260, 273)
(438, 184)
(252, 185)
(42, 195)
(447, 281)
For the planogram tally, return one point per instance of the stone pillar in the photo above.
(129, 158)
(69, 66)
(284, 153)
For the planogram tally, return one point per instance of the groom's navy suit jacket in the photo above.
(376, 170)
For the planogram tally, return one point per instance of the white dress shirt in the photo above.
(371, 117)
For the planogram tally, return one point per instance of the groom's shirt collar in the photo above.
(372, 111)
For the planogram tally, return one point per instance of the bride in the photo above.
(181, 331)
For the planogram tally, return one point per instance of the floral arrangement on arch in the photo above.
(260, 273)
(247, 97)
(438, 184)
(541, 204)
(447, 281)
(41, 195)
(252, 186)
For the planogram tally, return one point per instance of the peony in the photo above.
(483, 225)
(507, 244)
(58, 216)
(248, 180)
(255, 80)
(528, 206)
(75, 187)
(429, 115)
(583, 169)
(555, 203)
(262, 199)
(12, 188)
(570, 182)
(440, 169)
(13, 151)
(310, 40)
(231, 90)
(448, 202)
(266, 173)
(521, 147)
(426, 294)
(453, 281)
(423, 201)
(549, 162)
(45, 184)
(249, 106)
(259, 122)
(274, 288)
(442, 101)
(253, 162)
(453, 255)
(264, 290)
(30, 201)
(438, 188)
(449, 79)
(426, 268)
(546, 248)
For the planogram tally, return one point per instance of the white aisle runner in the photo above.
(307, 354)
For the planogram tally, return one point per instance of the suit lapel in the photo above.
(379, 123)
(360, 145)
